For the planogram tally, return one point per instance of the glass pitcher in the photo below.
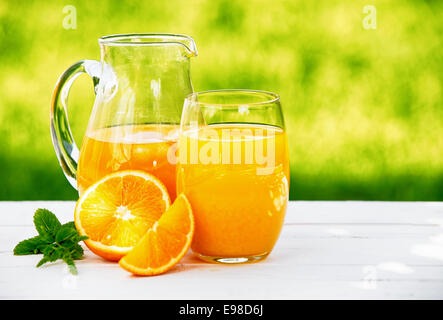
(140, 86)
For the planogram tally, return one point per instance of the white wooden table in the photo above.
(327, 250)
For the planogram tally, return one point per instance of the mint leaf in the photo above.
(47, 237)
(55, 241)
(30, 246)
(46, 222)
(42, 261)
(71, 265)
(82, 238)
(77, 252)
(51, 253)
(65, 232)
(70, 224)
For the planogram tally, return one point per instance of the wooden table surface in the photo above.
(327, 250)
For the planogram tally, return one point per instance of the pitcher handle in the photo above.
(62, 139)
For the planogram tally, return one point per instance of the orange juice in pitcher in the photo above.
(128, 147)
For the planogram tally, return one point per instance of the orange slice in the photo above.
(165, 243)
(116, 211)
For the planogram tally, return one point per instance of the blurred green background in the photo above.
(363, 107)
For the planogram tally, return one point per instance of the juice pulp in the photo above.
(238, 212)
(129, 147)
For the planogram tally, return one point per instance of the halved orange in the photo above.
(116, 211)
(165, 243)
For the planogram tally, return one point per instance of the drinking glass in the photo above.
(233, 166)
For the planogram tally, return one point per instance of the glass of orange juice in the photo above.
(233, 166)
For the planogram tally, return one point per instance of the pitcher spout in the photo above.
(186, 43)
(189, 44)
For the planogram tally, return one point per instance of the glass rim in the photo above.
(273, 97)
(142, 39)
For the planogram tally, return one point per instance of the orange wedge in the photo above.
(116, 211)
(165, 243)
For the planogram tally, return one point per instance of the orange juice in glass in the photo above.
(234, 168)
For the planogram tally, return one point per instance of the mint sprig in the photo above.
(55, 241)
